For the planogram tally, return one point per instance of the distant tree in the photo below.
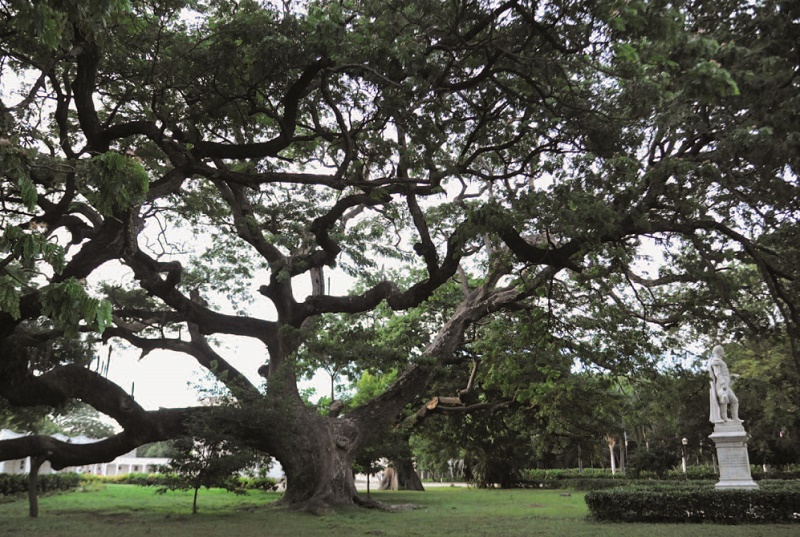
(34, 419)
(166, 449)
(658, 459)
(82, 419)
(768, 389)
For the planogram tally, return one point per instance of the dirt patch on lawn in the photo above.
(110, 518)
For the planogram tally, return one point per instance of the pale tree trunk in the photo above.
(407, 478)
(611, 444)
(389, 481)
(401, 475)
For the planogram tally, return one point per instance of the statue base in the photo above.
(730, 440)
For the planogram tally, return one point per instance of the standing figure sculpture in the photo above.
(721, 395)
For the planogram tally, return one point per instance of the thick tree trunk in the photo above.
(407, 478)
(316, 454)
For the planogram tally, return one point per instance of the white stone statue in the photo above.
(721, 394)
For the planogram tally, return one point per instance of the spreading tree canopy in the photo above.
(223, 153)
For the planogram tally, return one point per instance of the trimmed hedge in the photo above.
(258, 483)
(174, 481)
(582, 480)
(140, 479)
(572, 483)
(772, 502)
(11, 484)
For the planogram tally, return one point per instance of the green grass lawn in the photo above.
(127, 510)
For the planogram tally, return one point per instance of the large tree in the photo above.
(535, 150)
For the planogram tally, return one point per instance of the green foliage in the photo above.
(15, 167)
(115, 182)
(82, 419)
(165, 480)
(694, 473)
(258, 483)
(54, 22)
(13, 484)
(67, 302)
(23, 420)
(173, 481)
(771, 503)
(9, 297)
(206, 463)
(657, 459)
(369, 386)
(769, 398)
(157, 449)
(22, 250)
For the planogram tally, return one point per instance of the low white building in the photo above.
(125, 464)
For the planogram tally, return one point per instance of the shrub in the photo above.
(142, 480)
(773, 502)
(258, 483)
(568, 473)
(18, 483)
(657, 459)
(575, 483)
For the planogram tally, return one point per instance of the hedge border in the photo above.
(13, 484)
(773, 502)
(172, 480)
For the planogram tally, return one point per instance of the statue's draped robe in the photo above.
(715, 416)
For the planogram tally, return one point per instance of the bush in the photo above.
(694, 473)
(568, 473)
(658, 459)
(172, 481)
(139, 479)
(258, 483)
(574, 483)
(773, 502)
(11, 484)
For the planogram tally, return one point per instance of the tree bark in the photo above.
(389, 480)
(407, 478)
(400, 474)
(611, 444)
(316, 454)
(33, 478)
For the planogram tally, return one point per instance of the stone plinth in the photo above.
(730, 439)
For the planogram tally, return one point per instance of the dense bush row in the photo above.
(18, 483)
(595, 483)
(173, 481)
(258, 483)
(701, 473)
(772, 502)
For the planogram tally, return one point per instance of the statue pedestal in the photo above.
(730, 439)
